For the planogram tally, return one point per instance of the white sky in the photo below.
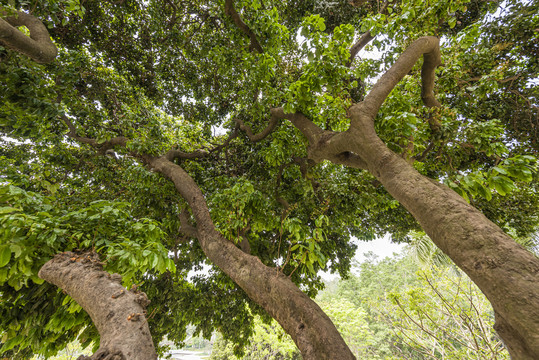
(382, 247)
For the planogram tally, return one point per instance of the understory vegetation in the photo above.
(394, 308)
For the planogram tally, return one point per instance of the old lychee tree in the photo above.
(144, 139)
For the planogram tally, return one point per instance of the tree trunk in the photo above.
(505, 272)
(310, 328)
(118, 314)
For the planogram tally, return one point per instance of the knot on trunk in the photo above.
(104, 354)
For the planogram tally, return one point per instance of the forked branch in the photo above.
(38, 46)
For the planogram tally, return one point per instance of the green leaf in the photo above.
(500, 170)
(502, 184)
(483, 191)
(5, 256)
(8, 210)
(3, 274)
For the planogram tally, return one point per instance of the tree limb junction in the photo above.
(429, 46)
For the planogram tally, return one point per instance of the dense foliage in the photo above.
(137, 78)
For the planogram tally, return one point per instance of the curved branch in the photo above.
(101, 147)
(231, 11)
(274, 121)
(38, 46)
(311, 329)
(118, 314)
(429, 47)
(308, 128)
(431, 61)
(323, 144)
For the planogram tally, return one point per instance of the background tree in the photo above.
(397, 308)
(158, 83)
(269, 341)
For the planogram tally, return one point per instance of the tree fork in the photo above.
(505, 272)
(118, 314)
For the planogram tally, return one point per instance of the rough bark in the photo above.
(310, 328)
(38, 46)
(506, 272)
(118, 314)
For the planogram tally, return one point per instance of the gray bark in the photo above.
(310, 328)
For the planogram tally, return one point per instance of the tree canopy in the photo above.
(257, 138)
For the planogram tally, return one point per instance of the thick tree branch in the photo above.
(310, 328)
(274, 121)
(231, 11)
(118, 314)
(309, 129)
(478, 246)
(186, 227)
(323, 144)
(101, 147)
(431, 60)
(38, 46)
(365, 38)
(348, 158)
(427, 46)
